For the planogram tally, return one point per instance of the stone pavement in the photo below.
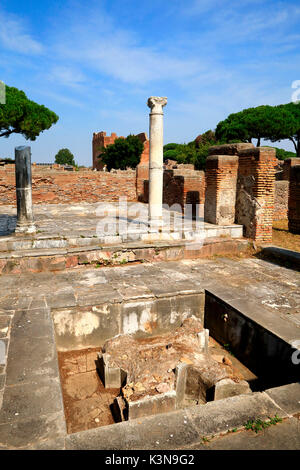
(58, 224)
(32, 412)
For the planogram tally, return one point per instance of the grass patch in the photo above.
(258, 424)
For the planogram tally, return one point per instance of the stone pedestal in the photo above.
(24, 190)
(294, 200)
(156, 104)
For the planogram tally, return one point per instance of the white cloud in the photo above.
(14, 36)
(67, 76)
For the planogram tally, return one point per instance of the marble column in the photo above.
(156, 104)
(24, 190)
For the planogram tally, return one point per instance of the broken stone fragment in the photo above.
(186, 360)
(218, 357)
(203, 337)
(112, 377)
(163, 388)
(227, 361)
(138, 387)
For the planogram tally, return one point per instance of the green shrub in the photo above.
(123, 153)
(64, 157)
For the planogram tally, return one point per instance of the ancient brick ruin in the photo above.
(56, 185)
(294, 199)
(162, 334)
(250, 178)
(240, 184)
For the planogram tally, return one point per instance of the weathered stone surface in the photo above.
(228, 388)
(24, 190)
(162, 403)
(229, 149)
(31, 357)
(34, 429)
(30, 400)
(287, 397)
(283, 436)
(233, 412)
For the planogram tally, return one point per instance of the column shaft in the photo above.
(24, 190)
(156, 157)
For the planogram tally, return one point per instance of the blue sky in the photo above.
(95, 64)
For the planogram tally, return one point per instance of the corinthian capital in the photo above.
(156, 104)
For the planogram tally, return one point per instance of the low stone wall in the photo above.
(60, 186)
(245, 328)
(181, 185)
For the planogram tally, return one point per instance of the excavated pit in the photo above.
(170, 366)
(131, 377)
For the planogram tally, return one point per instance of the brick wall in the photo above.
(59, 186)
(142, 170)
(256, 192)
(220, 196)
(255, 188)
(100, 141)
(287, 164)
(294, 200)
(181, 185)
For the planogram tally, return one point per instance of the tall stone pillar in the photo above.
(24, 190)
(156, 104)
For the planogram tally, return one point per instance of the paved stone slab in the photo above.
(30, 400)
(219, 416)
(37, 429)
(282, 436)
(287, 397)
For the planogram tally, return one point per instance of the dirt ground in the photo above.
(86, 401)
(283, 238)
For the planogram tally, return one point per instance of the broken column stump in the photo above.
(24, 190)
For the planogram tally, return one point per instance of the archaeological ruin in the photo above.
(147, 308)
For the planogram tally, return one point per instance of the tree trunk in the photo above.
(258, 142)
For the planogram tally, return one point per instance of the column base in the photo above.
(154, 224)
(25, 228)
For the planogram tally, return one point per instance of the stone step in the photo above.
(39, 241)
(57, 259)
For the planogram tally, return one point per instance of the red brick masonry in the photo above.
(221, 177)
(294, 200)
(256, 191)
(60, 186)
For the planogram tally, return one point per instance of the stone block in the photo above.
(163, 403)
(228, 388)
(112, 377)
